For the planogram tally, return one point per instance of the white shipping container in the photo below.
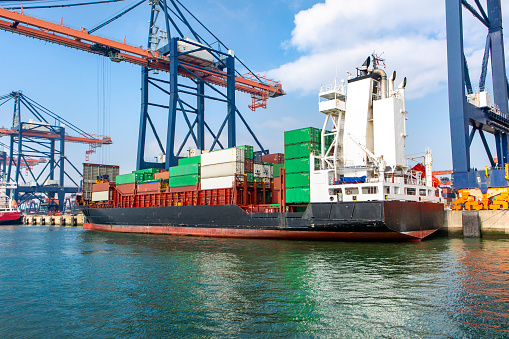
(268, 171)
(258, 170)
(101, 196)
(220, 182)
(222, 170)
(222, 156)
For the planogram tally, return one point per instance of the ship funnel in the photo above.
(383, 81)
(391, 81)
(402, 85)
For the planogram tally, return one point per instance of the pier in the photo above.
(54, 220)
(464, 223)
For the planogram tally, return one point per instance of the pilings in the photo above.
(54, 220)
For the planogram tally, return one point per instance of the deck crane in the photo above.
(195, 60)
(36, 142)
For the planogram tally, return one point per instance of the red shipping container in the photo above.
(126, 188)
(149, 187)
(162, 175)
(103, 186)
(185, 188)
(249, 166)
(276, 158)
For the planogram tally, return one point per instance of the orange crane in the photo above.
(117, 51)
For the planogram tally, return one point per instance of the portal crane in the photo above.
(195, 60)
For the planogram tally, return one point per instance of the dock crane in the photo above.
(183, 57)
(472, 112)
(38, 142)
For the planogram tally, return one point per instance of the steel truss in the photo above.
(40, 142)
(462, 114)
(187, 98)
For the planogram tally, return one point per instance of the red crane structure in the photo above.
(195, 60)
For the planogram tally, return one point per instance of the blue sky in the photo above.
(301, 43)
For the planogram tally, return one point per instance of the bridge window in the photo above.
(370, 190)
(410, 191)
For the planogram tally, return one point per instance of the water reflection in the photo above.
(163, 286)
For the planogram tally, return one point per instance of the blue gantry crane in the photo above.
(39, 141)
(471, 110)
(180, 72)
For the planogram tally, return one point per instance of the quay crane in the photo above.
(37, 142)
(472, 111)
(192, 59)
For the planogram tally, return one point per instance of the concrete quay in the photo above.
(468, 224)
(54, 220)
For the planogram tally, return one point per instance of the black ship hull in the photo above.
(373, 220)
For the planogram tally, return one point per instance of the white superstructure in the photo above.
(366, 157)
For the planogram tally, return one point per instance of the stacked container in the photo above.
(299, 144)
(219, 168)
(148, 174)
(248, 162)
(263, 172)
(187, 173)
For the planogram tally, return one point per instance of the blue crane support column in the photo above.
(52, 160)
(61, 190)
(171, 159)
(18, 162)
(230, 93)
(200, 114)
(498, 72)
(143, 119)
(140, 162)
(459, 124)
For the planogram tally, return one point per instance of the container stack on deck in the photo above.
(299, 144)
(220, 168)
(187, 173)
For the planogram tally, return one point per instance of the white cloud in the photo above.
(336, 36)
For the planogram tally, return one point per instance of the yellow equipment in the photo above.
(475, 200)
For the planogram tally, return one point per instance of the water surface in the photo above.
(67, 282)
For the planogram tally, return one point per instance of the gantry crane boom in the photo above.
(80, 39)
(45, 135)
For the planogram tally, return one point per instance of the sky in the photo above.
(304, 44)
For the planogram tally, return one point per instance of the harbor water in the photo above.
(69, 283)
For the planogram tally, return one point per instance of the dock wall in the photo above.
(495, 223)
(54, 220)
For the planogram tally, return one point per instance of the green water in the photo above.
(65, 282)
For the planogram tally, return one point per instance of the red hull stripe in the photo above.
(9, 216)
(260, 234)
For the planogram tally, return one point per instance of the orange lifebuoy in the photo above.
(348, 192)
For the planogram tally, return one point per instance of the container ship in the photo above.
(349, 180)
(9, 211)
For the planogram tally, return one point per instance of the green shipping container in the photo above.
(129, 178)
(186, 180)
(308, 134)
(302, 150)
(148, 176)
(190, 160)
(299, 165)
(181, 170)
(297, 180)
(276, 169)
(148, 170)
(248, 151)
(298, 195)
(249, 176)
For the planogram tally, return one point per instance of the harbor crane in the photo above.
(195, 60)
